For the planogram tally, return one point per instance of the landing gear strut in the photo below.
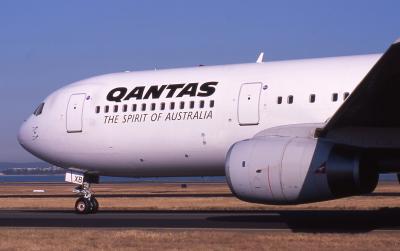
(86, 203)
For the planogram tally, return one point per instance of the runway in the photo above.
(297, 221)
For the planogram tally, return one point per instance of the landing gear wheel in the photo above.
(94, 204)
(86, 202)
(83, 206)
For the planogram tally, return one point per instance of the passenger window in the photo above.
(345, 95)
(115, 108)
(312, 98)
(172, 106)
(39, 109)
(125, 108)
(201, 103)
(279, 100)
(290, 99)
(211, 103)
(97, 109)
(153, 106)
(106, 109)
(143, 107)
(134, 108)
(162, 106)
(334, 97)
(182, 105)
(191, 104)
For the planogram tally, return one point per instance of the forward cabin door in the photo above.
(249, 102)
(75, 112)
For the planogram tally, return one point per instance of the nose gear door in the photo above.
(75, 112)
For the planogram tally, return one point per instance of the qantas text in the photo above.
(154, 91)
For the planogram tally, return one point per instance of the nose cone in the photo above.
(26, 136)
(23, 135)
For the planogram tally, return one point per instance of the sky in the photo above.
(45, 45)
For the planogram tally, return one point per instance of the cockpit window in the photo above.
(39, 110)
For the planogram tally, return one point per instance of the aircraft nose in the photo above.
(23, 135)
(27, 136)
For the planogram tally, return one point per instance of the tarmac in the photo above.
(354, 221)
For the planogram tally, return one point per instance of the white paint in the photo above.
(260, 58)
(249, 103)
(75, 112)
(74, 177)
(191, 147)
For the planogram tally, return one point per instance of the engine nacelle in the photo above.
(290, 169)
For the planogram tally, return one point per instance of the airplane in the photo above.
(283, 132)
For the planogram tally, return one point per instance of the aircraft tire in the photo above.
(94, 205)
(82, 206)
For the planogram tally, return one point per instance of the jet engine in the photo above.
(290, 166)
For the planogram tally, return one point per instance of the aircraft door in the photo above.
(75, 112)
(248, 106)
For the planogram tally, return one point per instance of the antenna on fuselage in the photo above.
(260, 58)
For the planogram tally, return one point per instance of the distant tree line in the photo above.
(34, 171)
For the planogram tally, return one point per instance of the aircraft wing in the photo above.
(372, 111)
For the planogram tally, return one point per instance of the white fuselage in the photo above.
(75, 131)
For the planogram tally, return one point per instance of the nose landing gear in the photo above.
(86, 203)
